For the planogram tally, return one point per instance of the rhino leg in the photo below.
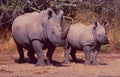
(21, 54)
(49, 54)
(94, 57)
(94, 61)
(66, 54)
(37, 46)
(31, 55)
(72, 53)
(86, 50)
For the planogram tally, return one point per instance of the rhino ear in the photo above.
(95, 25)
(105, 23)
(50, 14)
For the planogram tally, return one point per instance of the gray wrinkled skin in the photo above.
(86, 38)
(37, 31)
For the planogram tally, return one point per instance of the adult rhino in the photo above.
(37, 31)
(86, 38)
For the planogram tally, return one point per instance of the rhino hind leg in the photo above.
(49, 55)
(86, 50)
(73, 54)
(21, 54)
(31, 55)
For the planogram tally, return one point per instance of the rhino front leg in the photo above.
(94, 57)
(86, 50)
(49, 54)
(37, 46)
(66, 54)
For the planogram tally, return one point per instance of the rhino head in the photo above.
(100, 33)
(55, 32)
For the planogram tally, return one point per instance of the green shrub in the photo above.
(105, 48)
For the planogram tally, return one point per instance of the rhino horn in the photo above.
(59, 16)
(65, 32)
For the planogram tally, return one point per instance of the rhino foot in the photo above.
(87, 63)
(49, 63)
(75, 60)
(94, 63)
(21, 61)
(66, 63)
(40, 64)
(33, 61)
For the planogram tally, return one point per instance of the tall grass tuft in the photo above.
(7, 44)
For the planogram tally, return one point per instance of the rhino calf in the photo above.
(86, 38)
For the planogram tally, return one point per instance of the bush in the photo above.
(86, 11)
(105, 48)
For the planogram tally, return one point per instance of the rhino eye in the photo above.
(52, 32)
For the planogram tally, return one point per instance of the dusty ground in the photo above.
(109, 66)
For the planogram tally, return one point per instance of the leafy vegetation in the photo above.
(85, 11)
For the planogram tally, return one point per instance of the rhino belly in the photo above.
(74, 43)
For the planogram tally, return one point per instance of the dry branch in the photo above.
(66, 17)
(71, 5)
(35, 9)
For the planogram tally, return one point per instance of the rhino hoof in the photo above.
(49, 64)
(66, 63)
(21, 61)
(33, 61)
(40, 64)
(75, 60)
(87, 63)
(94, 63)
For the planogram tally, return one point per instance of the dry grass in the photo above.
(7, 43)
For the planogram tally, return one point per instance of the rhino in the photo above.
(38, 31)
(86, 39)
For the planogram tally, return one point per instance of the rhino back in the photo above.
(80, 35)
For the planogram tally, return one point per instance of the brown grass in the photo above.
(6, 42)
(8, 46)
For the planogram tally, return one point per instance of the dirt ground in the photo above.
(109, 66)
